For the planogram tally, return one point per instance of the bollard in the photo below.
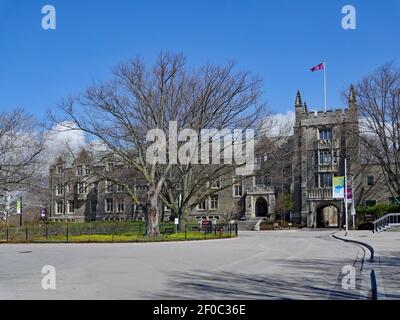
(67, 234)
(26, 235)
(7, 234)
(374, 288)
(185, 232)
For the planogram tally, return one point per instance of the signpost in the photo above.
(176, 221)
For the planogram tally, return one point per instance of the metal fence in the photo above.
(112, 233)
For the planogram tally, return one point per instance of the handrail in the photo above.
(386, 221)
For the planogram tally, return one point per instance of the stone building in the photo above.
(322, 142)
(79, 194)
(316, 153)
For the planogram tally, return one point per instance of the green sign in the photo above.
(338, 188)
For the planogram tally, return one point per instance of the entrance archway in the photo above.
(327, 216)
(261, 207)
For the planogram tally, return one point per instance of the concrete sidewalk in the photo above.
(387, 259)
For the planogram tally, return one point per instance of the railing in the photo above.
(112, 232)
(327, 144)
(327, 168)
(387, 221)
(319, 193)
(261, 190)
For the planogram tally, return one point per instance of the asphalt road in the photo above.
(266, 265)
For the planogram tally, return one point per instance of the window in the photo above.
(237, 190)
(202, 205)
(370, 180)
(260, 159)
(82, 187)
(120, 206)
(325, 134)
(166, 209)
(59, 207)
(60, 169)
(370, 203)
(59, 190)
(87, 170)
(110, 166)
(109, 205)
(325, 158)
(93, 206)
(394, 200)
(214, 202)
(259, 180)
(109, 186)
(325, 180)
(216, 184)
(71, 207)
(120, 188)
(79, 170)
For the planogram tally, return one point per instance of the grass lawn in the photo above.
(125, 238)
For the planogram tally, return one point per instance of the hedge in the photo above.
(379, 209)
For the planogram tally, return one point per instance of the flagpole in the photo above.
(325, 86)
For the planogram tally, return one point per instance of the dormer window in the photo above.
(216, 184)
(110, 166)
(79, 170)
(60, 169)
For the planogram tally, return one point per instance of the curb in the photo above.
(369, 247)
(372, 275)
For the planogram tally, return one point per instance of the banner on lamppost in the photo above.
(338, 188)
(349, 195)
(19, 206)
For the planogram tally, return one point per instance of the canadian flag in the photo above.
(321, 66)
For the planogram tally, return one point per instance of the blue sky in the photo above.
(277, 40)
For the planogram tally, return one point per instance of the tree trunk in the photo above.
(152, 214)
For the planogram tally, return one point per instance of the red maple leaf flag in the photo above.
(321, 66)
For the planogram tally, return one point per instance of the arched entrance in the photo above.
(327, 216)
(261, 207)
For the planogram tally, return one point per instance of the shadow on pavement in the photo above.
(290, 279)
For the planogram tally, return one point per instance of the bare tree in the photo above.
(21, 144)
(121, 112)
(378, 103)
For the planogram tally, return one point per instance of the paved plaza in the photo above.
(263, 265)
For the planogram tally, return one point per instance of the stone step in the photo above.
(248, 224)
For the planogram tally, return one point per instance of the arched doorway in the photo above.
(261, 207)
(328, 216)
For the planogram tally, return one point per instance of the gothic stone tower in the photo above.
(322, 141)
